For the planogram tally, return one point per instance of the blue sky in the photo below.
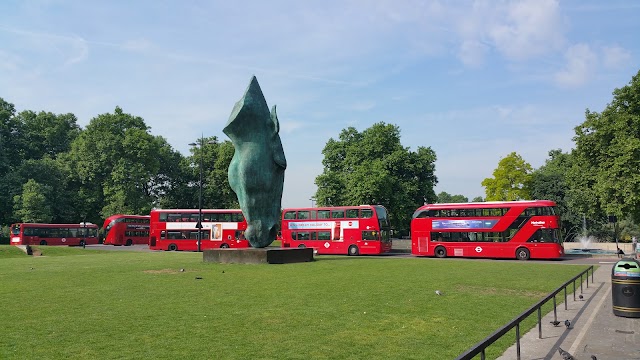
(474, 80)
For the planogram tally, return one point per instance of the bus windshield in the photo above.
(15, 230)
(383, 218)
(110, 225)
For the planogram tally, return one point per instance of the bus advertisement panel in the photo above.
(351, 230)
(176, 229)
(510, 229)
(54, 234)
(126, 230)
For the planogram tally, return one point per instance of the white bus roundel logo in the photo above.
(478, 249)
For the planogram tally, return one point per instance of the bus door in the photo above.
(423, 243)
(338, 234)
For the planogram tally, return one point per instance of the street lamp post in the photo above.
(199, 224)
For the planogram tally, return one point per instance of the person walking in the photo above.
(634, 243)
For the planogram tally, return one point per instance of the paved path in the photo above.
(594, 330)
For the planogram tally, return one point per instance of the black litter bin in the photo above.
(625, 288)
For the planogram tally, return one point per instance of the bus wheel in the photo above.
(353, 250)
(129, 242)
(302, 246)
(173, 247)
(224, 246)
(42, 242)
(523, 254)
(441, 252)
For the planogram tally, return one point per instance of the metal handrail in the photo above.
(480, 347)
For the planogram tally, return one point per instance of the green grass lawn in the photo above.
(7, 251)
(134, 305)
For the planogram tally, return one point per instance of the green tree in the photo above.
(30, 144)
(477, 199)
(47, 134)
(182, 187)
(10, 148)
(119, 166)
(54, 176)
(218, 191)
(445, 197)
(372, 167)
(605, 176)
(510, 180)
(549, 182)
(32, 205)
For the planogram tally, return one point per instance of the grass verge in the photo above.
(130, 305)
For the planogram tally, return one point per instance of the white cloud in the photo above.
(614, 57)
(79, 53)
(472, 53)
(529, 28)
(581, 63)
(52, 46)
(516, 30)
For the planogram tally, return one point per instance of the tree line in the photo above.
(51, 170)
(597, 180)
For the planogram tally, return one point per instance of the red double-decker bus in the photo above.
(175, 229)
(126, 230)
(511, 229)
(54, 234)
(352, 230)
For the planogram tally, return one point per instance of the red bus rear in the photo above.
(54, 234)
(126, 229)
(175, 229)
(351, 230)
(510, 229)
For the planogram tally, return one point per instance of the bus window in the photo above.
(337, 214)
(352, 214)
(324, 235)
(370, 235)
(323, 214)
(303, 215)
(290, 215)
(366, 213)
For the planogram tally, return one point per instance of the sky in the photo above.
(473, 80)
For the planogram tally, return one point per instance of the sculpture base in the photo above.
(258, 256)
